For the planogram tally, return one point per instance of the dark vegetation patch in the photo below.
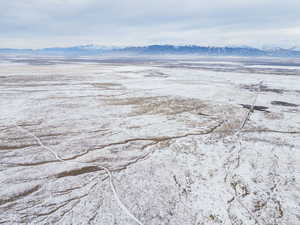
(255, 107)
(262, 88)
(76, 172)
(281, 103)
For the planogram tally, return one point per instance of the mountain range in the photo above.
(158, 50)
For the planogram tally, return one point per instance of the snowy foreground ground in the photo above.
(167, 129)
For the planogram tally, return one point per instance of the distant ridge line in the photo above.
(158, 50)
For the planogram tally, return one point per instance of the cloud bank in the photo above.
(48, 23)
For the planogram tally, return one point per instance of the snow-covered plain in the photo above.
(167, 129)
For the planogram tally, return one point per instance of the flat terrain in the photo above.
(174, 133)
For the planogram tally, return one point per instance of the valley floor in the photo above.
(174, 133)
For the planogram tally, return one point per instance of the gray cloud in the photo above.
(36, 23)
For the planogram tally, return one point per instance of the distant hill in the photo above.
(158, 50)
(193, 49)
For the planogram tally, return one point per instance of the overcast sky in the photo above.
(48, 23)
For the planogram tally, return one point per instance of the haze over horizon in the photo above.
(63, 23)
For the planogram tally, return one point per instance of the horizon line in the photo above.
(148, 45)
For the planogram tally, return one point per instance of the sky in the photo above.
(50, 23)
